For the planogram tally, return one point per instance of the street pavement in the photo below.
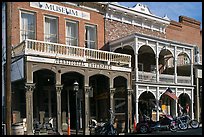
(189, 131)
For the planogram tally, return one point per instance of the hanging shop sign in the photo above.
(60, 9)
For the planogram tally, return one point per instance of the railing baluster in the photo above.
(83, 53)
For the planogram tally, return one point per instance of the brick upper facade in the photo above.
(96, 18)
(116, 29)
(187, 30)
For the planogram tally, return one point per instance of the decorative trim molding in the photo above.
(59, 88)
(30, 86)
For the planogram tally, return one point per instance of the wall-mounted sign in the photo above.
(60, 9)
(17, 70)
(77, 63)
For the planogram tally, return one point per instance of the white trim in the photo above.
(131, 11)
(28, 10)
(85, 7)
(69, 3)
(134, 15)
(153, 39)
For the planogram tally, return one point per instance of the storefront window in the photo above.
(27, 28)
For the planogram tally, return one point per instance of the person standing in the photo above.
(187, 108)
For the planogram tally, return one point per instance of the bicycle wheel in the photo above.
(194, 124)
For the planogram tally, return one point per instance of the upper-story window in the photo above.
(72, 33)
(90, 36)
(50, 29)
(27, 25)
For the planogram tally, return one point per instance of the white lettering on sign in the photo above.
(82, 64)
(60, 9)
(77, 63)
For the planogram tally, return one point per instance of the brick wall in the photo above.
(116, 30)
(95, 19)
(187, 30)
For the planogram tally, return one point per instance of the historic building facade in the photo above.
(122, 58)
(54, 45)
(164, 53)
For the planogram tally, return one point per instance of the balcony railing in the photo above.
(146, 76)
(163, 78)
(41, 48)
(183, 80)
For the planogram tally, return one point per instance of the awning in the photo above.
(171, 95)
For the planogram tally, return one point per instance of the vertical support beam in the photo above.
(197, 100)
(176, 105)
(129, 94)
(68, 112)
(175, 65)
(112, 92)
(192, 101)
(87, 114)
(157, 103)
(192, 76)
(59, 123)
(136, 59)
(136, 105)
(157, 62)
(8, 67)
(29, 107)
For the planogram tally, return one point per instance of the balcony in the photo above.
(163, 78)
(61, 51)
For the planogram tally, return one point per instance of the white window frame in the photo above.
(57, 23)
(27, 12)
(95, 26)
(77, 32)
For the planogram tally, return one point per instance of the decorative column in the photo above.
(129, 118)
(157, 63)
(192, 76)
(157, 103)
(197, 99)
(192, 102)
(136, 59)
(112, 92)
(136, 105)
(176, 105)
(59, 123)
(87, 114)
(175, 65)
(29, 107)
